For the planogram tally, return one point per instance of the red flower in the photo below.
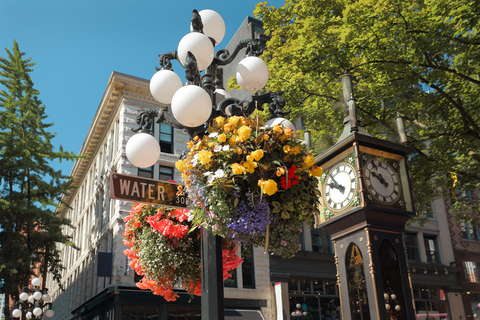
(292, 178)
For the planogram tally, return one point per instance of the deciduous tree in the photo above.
(418, 58)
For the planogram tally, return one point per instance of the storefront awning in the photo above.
(243, 314)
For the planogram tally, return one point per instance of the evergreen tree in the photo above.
(30, 189)
(419, 58)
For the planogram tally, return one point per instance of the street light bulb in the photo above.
(142, 150)
(17, 313)
(282, 122)
(29, 315)
(164, 84)
(46, 297)
(252, 74)
(213, 25)
(37, 311)
(49, 313)
(36, 282)
(200, 46)
(23, 296)
(191, 106)
(37, 295)
(31, 299)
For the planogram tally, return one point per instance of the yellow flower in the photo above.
(238, 169)
(232, 140)
(233, 120)
(222, 137)
(250, 166)
(244, 133)
(286, 148)
(204, 156)
(257, 154)
(288, 132)
(211, 144)
(316, 171)
(295, 150)
(280, 171)
(190, 144)
(239, 150)
(218, 121)
(180, 165)
(269, 187)
(228, 127)
(309, 161)
(277, 128)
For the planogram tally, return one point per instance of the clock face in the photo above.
(382, 181)
(340, 186)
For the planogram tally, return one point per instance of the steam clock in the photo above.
(366, 200)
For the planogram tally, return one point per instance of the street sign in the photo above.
(137, 189)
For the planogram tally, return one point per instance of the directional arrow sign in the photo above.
(136, 189)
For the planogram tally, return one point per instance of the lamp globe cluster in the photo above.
(33, 304)
(191, 104)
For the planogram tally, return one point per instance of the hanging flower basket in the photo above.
(165, 250)
(251, 183)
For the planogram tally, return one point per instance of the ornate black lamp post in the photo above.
(33, 302)
(192, 106)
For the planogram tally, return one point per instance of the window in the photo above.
(248, 271)
(321, 241)
(165, 173)
(146, 172)
(470, 231)
(431, 303)
(412, 247)
(471, 271)
(166, 138)
(431, 249)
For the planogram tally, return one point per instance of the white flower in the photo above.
(226, 148)
(195, 160)
(213, 135)
(219, 173)
(210, 178)
(217, 148)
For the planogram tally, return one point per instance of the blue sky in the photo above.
(77, 45)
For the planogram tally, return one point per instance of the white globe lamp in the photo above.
(213, 25)
(37, 311)
(49, 313)
(23, 296)
(29, 315)
(36, 282)
(46, 297)
(252, 74)
(200, 46)
(142, 150)
(191, 106)
(37, 295)
(17, 313)
(164, 84)
(31, 299)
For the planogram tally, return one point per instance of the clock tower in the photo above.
(366, 201)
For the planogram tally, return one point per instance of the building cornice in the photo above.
(119, 86)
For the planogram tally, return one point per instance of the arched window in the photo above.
(357, 289)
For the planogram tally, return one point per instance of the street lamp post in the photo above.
(193, 105)
(32, 302)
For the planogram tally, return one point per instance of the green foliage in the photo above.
(30, 189)
(418, 58)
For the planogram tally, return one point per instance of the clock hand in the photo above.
(380, 178)
(336, 185)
